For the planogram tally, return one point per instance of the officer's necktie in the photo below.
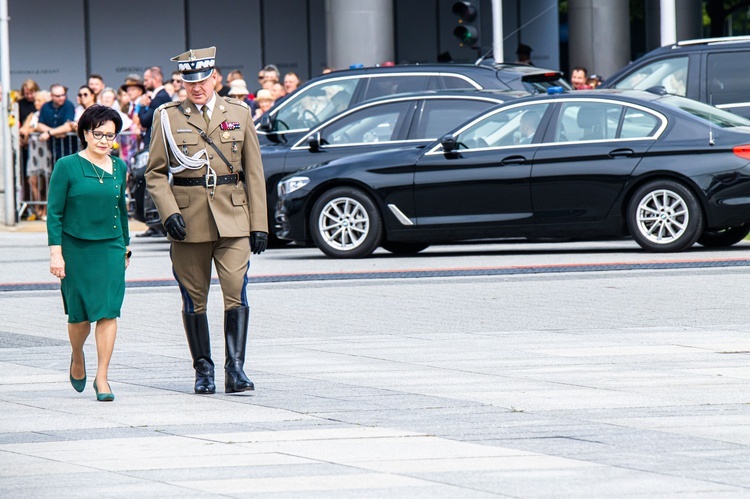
(205, 115)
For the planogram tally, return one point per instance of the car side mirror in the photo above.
(314, 142)
(266, 123)
(448, 142)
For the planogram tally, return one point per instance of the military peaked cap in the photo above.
(196, 65)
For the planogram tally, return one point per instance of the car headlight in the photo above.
(291, 184)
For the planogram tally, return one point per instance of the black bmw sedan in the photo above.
(404, 120)
(585, 165)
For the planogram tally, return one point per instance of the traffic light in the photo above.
(467, 30)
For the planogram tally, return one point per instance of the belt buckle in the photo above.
(209, 177)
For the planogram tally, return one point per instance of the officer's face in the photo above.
(201, 92)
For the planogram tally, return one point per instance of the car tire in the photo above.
(401, 248)
(345, 223)
(725, 237)
(664, 216)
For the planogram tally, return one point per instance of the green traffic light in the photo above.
(468, 35)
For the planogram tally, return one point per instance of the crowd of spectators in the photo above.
(48, 120)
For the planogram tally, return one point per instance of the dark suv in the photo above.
(326, 95)
(711, 70)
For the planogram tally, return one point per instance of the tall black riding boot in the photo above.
(235, 335)
(196, 330)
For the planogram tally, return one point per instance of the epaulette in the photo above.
(236, 102)
(167, 104)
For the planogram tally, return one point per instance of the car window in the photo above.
(369, 125)
(313, 105)
(587, 121)
(538, 84)
(507, 127)
(727, 77)
(638, 124)
(668, 73)
(717, 116)
(390, 85)
(440, 116)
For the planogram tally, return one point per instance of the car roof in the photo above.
(495, 94)
(467, 69)
(683, 47)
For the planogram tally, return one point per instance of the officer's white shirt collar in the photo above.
(210, 105)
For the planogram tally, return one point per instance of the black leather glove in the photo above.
(258, 242)
(175, 226)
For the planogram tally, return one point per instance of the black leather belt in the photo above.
(209, 180)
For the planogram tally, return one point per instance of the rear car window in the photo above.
(538, 84)
(718, 117)
(727, 77)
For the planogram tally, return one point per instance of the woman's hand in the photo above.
(127, 258)
(56, 262)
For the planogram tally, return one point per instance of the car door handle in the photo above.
(513, 160)
(621, 153)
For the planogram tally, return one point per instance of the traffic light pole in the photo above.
(497, 31)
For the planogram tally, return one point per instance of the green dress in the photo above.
(87, 215)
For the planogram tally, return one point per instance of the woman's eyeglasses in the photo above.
(84, 94)
(176, 81)
(100, 135)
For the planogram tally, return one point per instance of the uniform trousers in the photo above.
(191, 265)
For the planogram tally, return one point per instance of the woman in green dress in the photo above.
(87, 232)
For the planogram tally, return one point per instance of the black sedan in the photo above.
(584, 165)
(408, 120)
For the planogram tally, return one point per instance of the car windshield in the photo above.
(718, 117)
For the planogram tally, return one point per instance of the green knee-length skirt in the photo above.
(94, 283)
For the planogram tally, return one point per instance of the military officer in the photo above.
(214, 209)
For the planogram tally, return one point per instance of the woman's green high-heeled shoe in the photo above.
(78, 384)
(103, 397)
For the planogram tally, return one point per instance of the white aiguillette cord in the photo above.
(194, 162)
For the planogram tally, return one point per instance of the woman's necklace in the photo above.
(95, 167)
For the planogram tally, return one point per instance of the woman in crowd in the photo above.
(86, 99)
(39, 156)
(89, 240)
(264, 99)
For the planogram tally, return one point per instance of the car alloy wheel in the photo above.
(665, 216)
(345, 223)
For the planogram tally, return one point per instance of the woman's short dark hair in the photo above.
(96, 116)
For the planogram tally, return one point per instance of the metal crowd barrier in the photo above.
(34, 164)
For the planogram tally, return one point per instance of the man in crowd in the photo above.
(96, 84)
(214, 210)
(153, 79)
(55, 117)
(578, 78)
(221, 89)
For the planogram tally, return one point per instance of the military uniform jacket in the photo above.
(234, 210)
